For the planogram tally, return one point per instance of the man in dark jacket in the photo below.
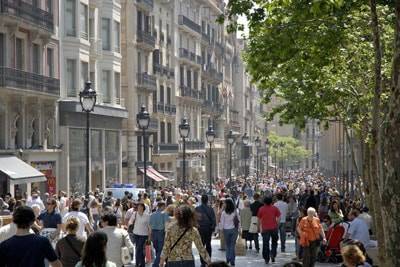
(254, 207)
(207, 223)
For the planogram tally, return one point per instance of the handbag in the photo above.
(148, 253)
(176, 242)
(125, 253)
(240, 247)
(253, 225)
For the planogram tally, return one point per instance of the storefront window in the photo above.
(112, 157)
(97, 158)
(77, 162)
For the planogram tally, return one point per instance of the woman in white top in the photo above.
(117, 238)
(230, 224)
(141, 233)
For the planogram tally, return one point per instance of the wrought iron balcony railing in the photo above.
(146, 38)
(28, 12)
(29, 81)
(183, 20)
(147, 81)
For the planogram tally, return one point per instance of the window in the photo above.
(195, 79)
(117, 40)
(71, 77)
(84, 21)
(105, 34)
(182, 75)
(2, 50)
(70, 24)
(161, 94)
(168, 95)
(50, 62)
(189, 78)
(117, 86)
(139, 21)
(91, 25)
(84, 74)
(19, 53)
(35, 58)
(105, 86)
(162, 132)
(169, 132)
(93, 79)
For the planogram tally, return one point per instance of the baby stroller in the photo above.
(331, 252)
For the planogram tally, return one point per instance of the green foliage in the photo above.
(315, 55)
(286, 148)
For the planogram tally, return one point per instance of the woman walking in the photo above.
(230, 224)
(177, 250)
(141, 233)
(335, 212)
(94, 251)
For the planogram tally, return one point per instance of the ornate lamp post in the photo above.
(231, 140)
(210, 135)
(245, 141)
(184, 129)
(258, 144)
(87, 98)
(143, 121)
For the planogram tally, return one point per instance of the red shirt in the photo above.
(268, 214)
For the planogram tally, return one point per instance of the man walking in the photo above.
(283, 208)
(268, 216)
(253, 231)
(207, 224)
(157, 225)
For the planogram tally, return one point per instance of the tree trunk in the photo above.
(391, 183)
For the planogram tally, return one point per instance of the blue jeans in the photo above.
(140, 241)
(267, 235)
(230, 242)
(157, 237)
(282, 235)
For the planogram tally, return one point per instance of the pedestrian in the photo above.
(220, 209)
(158, 222)
(94, 213)
(269, 216)
(117, 238)
(24, 248)
(94, 251)
(141, 233)
(335, 212)
(358, 230)
(50, 221)
(206, 224)
(254, 228)
(230, 223)
(68, 248)
(177, 250)
(283, 208)
(245, 221)
(353, 256)
(82, 217)
(311, 232)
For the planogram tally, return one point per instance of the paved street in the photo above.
(252, 259)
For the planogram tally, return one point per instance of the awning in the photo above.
(151, 175)
(19, 172)
(159, 175)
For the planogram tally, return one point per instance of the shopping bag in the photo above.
(253, 225)
(149, 257)
(240, 247)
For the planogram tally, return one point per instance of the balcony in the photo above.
(26, 11)
(146, 40)
(189, 92)
(213, 107)
(191, 57)
(145, 4)
(33, 82)
(96, 47)
(195, 145)
(147, 82)
(212, 74)
(163, 70)
(170, 109)
(183, 53)
(190, 24)
(166, 148)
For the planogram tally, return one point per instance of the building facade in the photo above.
(90, 49)
(29, 88)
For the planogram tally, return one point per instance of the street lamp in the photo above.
(231, 140)
(245, 141)
(281, 146)
(267, 147)
(87, 98)
(143, 121)
(258, 144)
(184, 129)
(210, 135)
(275, 149)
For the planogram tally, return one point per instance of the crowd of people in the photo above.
(159, 227)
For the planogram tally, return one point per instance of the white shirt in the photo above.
(8, 231)
(83, 220)
(117, 238)
(367, 218)
(227, 220)
(358, 230)
(283, 208)
(142, 223)
(31, 201)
